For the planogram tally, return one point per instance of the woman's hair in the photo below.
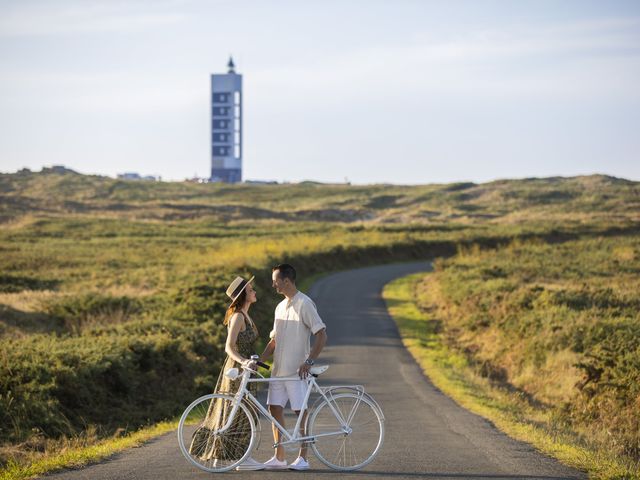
(236, 306)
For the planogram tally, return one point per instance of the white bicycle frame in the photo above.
(243, 392)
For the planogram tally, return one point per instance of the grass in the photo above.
(26, 196)
(559, 322)
(74, 456)
(108, 285)
(68, 454)
(451, 371)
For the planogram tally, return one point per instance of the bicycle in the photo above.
(345, 425)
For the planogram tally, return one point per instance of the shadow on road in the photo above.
(443, 475)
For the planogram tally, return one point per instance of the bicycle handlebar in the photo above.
(263, 365)
(260, 364)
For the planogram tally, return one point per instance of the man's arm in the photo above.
(318, 345)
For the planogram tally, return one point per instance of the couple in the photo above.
(296, 318)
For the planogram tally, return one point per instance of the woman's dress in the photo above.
(212, 446)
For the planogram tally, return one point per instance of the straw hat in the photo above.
(237, 286)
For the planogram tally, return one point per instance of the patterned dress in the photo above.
(218, 412)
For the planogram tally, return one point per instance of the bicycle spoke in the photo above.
(339, 409)
(357, 447)
(354, 451)
(367, 422)
(342, 446)
(353, 412)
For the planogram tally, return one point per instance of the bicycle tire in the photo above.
(367, 429)
(200, 444)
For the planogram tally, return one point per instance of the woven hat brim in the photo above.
(233, 299)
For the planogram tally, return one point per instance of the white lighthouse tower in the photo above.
(226, 126)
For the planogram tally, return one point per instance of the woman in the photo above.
(241, 337)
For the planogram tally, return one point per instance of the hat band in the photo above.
(237, 291)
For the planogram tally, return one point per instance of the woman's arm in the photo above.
(235, 324)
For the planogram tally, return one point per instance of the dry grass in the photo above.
(510, 411)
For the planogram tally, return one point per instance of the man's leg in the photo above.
(303, 432)
(278, 413)
(297, 392)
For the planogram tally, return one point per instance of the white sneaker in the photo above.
(250, 464)
(274, 464)
(299, 464)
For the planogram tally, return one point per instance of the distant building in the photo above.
(196, 179)
(226, 126)
(137, 176)
(129, 176)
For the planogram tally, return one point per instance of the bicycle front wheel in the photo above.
(349, 437)
(206, 443)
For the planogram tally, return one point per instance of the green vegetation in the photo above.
(559, 322)
(542, 338)
(81, 450)
(112, 292)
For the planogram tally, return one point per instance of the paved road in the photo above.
(427, 434)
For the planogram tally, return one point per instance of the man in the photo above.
(296, 318)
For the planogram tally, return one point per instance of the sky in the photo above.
(366, 91)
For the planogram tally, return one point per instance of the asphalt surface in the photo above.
(427, 434)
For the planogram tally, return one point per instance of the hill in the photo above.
(51, 193)
(108, 286)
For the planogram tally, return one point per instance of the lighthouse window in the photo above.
(220, 137)
(220, 151)
(220, 111)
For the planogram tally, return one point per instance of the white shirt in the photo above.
(295, 321)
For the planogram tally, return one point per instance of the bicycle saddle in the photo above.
(319, 369)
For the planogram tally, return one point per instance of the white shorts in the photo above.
(291, 390)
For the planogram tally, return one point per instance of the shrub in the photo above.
(531, 306)
(76, 312)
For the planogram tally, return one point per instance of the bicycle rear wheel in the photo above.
(205, 444)
(353, 438)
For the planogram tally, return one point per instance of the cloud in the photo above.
(126, 93)
(51, 18)
(610, 36)
(573, 60)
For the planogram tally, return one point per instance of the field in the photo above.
(559, 323)
(108, 287)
